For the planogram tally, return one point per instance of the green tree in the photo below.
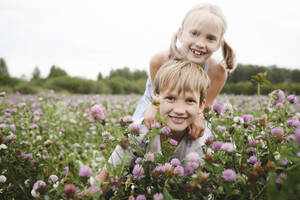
(125, 72)
(243, 73)
(36, 74)
(99, 77)
(139, 74)
(295, 76)
(4, 74)
(3, 68)
(56, 72)
(277, 75)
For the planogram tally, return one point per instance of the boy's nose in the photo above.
(179, 109)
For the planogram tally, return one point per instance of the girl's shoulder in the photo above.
(158, 59)
(216, 70)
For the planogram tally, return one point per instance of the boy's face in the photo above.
(179, 110)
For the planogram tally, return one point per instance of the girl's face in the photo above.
(200, 36)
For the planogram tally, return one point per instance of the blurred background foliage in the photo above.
(125, 81)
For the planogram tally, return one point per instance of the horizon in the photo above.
(23, 76)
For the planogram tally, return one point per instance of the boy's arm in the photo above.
(103, 176)
(100, 178)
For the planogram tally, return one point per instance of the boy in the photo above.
(180, 87)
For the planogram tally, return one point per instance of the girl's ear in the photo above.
(179, 34)
(221, 43)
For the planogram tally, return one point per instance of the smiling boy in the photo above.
(180, 87)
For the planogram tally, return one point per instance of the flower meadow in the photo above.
(52, 146)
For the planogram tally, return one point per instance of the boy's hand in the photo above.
(196, 129)
(89, 191)
(150, 116)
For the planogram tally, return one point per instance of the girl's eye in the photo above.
(212, 38)
(194, 33)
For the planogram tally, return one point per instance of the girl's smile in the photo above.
(200, 37)
(198, 53)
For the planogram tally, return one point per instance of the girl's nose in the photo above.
(200, 43)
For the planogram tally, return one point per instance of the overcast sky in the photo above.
(85, 37)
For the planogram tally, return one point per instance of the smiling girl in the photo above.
(199, 37)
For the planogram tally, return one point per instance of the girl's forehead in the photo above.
(205, 20)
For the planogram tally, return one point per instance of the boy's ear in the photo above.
(179, 34)
(202, 106)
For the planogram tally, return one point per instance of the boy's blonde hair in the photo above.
(188, 76)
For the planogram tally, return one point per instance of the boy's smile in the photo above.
(179, 109)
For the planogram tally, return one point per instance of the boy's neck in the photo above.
(178, 135)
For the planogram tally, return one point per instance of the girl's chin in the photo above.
(197, 60)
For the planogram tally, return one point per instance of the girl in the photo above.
(200, 35)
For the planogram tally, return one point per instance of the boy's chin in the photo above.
(177, 128)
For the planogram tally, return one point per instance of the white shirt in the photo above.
(185, 147)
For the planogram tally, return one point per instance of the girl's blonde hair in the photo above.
(228, 53)
(185, 75)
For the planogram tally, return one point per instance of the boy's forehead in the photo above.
(175, 89)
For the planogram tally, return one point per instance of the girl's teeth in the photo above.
(196, 52)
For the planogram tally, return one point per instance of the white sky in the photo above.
(85, 37)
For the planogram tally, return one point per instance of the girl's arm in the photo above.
(155, 63)
(218, 76)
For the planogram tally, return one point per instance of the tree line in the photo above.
(125, 81)
(239, 81)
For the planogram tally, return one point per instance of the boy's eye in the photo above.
(170, 98)
(191, 101)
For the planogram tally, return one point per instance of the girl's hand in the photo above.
(150, 116)
(196, 129)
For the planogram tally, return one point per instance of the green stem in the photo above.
(292, 167)
(261, 191)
